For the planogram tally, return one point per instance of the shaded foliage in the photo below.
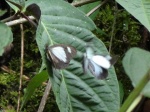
(126, 35)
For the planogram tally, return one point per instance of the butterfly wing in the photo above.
(71, 52)
(101, 61)
(98, 65)
(59, 64)
(105, 61)
(60, 55)
(85, 64)
(114, 59)
(97, 70)
(103, 75)
(89, 52)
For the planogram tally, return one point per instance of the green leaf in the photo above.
(136, 64)
(2, 12)
(88, 7)
(101, 32)
(139, 9)
(35, 82)
(62, 23)
(6, 37)
(121, 88)
(16, 5)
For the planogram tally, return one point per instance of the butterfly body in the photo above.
(60, 55)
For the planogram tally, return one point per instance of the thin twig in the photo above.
(18, 21)
(96, 8)
(45, 96)
(30, 20)
(10, 18)
(77, 4)
(113, 27)
(6, 69)
(21, 67)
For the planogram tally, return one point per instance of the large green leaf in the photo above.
(6, 37)
(62, 23)
(35, 82)
(136, 64)
(139, 9)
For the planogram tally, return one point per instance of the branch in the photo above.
(96, 8)
(77, 4)
(45, 96)
(18, 21)
(10, 18)
(113, 27)
(21, 67)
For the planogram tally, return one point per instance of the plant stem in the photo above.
(30, 20)
(21, 67)
(18, 21)
(135, 93)
(96, 8)
(77, 4)
(10, 18)
(113, 27)
(45, 97)
(135, 103)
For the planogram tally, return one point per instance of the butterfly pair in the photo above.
(60, 56)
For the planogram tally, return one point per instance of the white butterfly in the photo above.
(97, 64)
(60, 55)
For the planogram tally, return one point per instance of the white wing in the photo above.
(69, 49)
(101, 61)
(89, 52)
(85, 63)
(60, 53)
(95, 69)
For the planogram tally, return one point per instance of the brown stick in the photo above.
(21, 67)
(96, 8)
(77, 4)
(45, 96)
